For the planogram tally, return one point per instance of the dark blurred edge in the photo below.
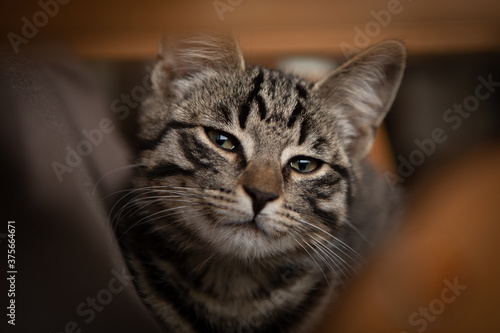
(65, 252)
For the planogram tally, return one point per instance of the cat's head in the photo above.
(250, 162)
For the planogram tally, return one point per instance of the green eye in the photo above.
(223, 140)
(304, 164)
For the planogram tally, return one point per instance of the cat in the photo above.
(254, 201)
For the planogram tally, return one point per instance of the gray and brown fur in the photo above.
(238, 241)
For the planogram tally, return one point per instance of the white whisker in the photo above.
(344, 245)
(113, 171)
(356, 230)
(148, 218)
(311, 256)
(343, 270)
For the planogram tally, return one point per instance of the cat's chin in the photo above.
(251, 240)
(253, 225)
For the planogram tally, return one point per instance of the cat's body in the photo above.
(254, 188)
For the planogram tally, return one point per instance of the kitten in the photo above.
(254, 194)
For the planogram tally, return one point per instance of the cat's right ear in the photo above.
(181, 58)
(361, 92)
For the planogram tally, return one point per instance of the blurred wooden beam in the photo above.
(118, 29)
(435, 38)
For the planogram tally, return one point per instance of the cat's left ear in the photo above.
(181, 57)
(361, 92)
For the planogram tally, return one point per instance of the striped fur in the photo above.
(204, 255)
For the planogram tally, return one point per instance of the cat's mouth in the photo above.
(253, 225)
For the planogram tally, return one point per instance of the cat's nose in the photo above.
(259, 198)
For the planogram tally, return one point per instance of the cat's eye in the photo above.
(224, 140)
(304, 164)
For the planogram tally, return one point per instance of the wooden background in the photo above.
(131, 29)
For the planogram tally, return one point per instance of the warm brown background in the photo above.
(131, 29)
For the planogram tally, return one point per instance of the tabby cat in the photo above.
(254, 200)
